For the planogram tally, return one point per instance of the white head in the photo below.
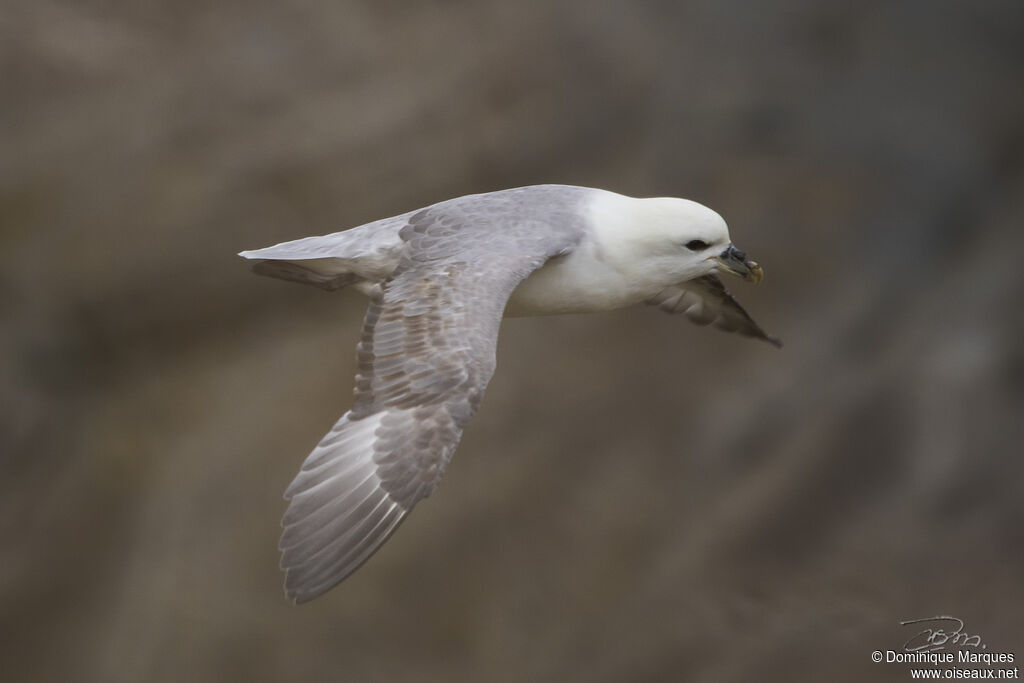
(666, 240)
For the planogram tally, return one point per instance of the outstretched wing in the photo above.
(706, 301)
(425, 357)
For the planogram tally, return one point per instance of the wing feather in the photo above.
(706, 301)
(425, 356)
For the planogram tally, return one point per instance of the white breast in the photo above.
(580, 282)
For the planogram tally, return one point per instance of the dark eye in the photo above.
(696, 245)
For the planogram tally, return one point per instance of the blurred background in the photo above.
(639, 499)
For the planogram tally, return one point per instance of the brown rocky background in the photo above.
(639, 499)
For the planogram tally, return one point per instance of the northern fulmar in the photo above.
(439, 280)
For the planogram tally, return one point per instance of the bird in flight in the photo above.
(439, 280)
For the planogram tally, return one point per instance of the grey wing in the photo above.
(426, 354)
(705, 301)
